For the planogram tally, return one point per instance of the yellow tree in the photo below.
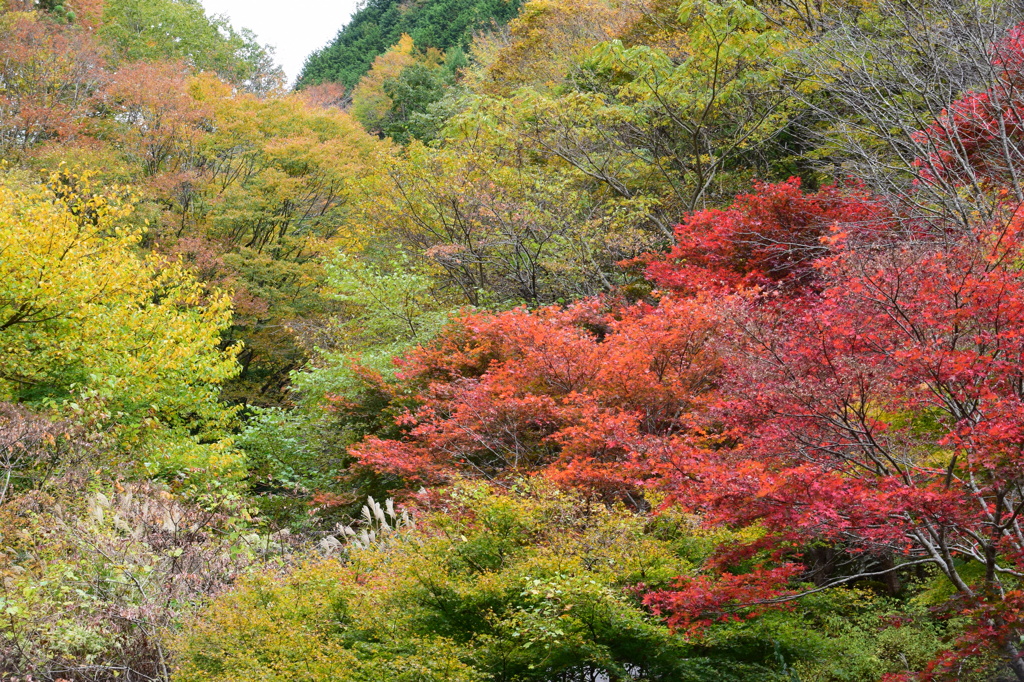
(262, 196)
(549, 40)
(124, 343)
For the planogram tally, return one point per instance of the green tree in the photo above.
(181, 30)
(269, 199)
(412, 95)
(385, 306)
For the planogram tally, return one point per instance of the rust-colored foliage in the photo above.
(48, 78)
(161, 121)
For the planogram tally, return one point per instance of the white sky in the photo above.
(293, 27)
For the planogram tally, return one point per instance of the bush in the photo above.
(521, 584)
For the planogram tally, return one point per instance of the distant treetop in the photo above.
(379, 24)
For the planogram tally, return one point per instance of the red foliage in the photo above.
(886, 416)
(813, 371)
(880, 412)
(695, 603)
(570, 392)
(975, 142)
(771, 238)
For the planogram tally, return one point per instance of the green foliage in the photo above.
(412, 95)
(705, 108)
(390, 305)
(524, 585)
(530, 584)
(181, 30)
(441, 24)
(385, 308)
(408, 93)
(729, 82)
(870, 638)
(58, 9)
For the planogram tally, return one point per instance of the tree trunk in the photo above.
(1016, 662)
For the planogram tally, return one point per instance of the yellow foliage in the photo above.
(369, 101)
(90, 326)
(549, 39)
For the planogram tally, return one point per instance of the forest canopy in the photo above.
(554, 341)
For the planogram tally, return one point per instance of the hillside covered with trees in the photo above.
(444, 25)
(662, 340)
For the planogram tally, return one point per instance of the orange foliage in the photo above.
(567, 392)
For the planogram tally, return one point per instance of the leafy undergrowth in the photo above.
(528, 583)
